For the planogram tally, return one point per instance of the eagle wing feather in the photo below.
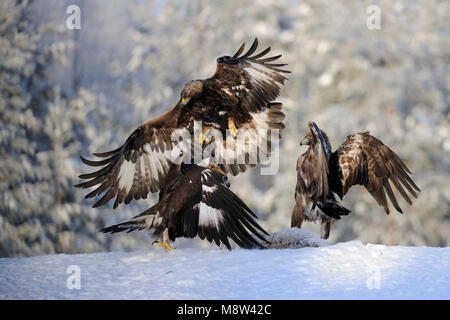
(223, 215)
(209, 209)
(365, 160)
(133, 170)
(253, 79)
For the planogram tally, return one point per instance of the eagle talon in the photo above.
(167, 247)
(232, 127)
(202, 139)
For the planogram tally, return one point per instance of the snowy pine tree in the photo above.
(42, 133)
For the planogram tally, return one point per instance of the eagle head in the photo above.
(191, 89)
(307, 140)
(316, 135)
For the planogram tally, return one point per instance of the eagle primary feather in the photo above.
(365, 160)
(139, 166)
(253, 81)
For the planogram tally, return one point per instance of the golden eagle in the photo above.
(240, 93)
(362, 159)
(238, 96)
(197, 201)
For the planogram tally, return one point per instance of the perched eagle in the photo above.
(197, 201)
(237, 98)
(362, 159)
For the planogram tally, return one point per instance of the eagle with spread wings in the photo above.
(361, 160)
(238, 97)
(197, 201)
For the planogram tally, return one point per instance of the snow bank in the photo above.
(295, 238)
(348, 270)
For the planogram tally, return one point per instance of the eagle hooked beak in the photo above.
(184, 101)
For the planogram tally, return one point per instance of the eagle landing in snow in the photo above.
(238, 97)
(362, 159)
(197, 201)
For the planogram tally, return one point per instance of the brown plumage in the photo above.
(139, 166)
(196, 201)
(193, 199)
(240, 96)
(240, 92)
(362, 159)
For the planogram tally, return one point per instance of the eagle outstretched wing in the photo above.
(222, 214)
(199, 203)
(363, 159)
(251, 78)
(243, 88)
(135, 169)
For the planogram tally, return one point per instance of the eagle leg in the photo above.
(165, 243)
(232, 127)
(325, 228)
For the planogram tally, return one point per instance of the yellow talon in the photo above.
(166, 246)
(232, 127)
(202, 138)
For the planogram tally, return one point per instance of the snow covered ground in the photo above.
(348, 270)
